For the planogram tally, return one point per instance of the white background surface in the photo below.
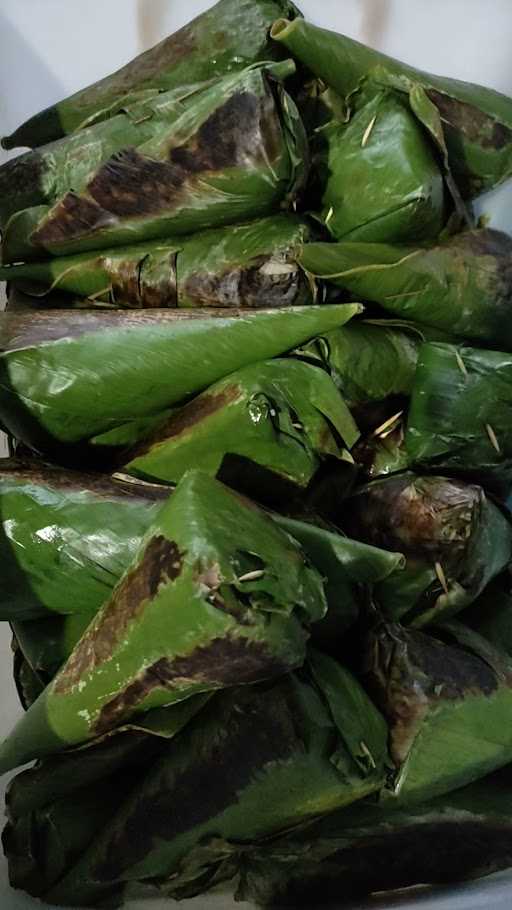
(50, 48)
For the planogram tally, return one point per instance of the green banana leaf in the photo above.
(461, 286)
(491, 614)
(369, 360)
(28, 684)
(348, 566)
(280, 753)
(454, 538)
(66, 538)
(283, 416)
(460, 418)
(476, 121)
(57, 365)
(241, 594)
(229, 36)
(40, 177)
(364, 850)
(383, 451)
(382, 183)
(249, 265)
(46, 644)
(69, 798)
(447, 706)
(239, 152)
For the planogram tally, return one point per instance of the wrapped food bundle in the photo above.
(254, 374)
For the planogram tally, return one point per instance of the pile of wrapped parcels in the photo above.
(255, 543)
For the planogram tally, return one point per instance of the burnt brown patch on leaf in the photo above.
(187, 418)
(410, 672)
(36, 473)
(143, 284)
(130, 185)
(422, 517)
(250, 730)
(264, 282)
(21, 182)
(474, 123)
(226, 661)
(73, 216)
(161, 562)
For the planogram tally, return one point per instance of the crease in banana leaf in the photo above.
(228, 37)
(460, 286)
(382, 146)
(446, 704)
(66, 376)
(454, 538)
(476, 121)
(251, 265)
(282, 753)
(239, 152)
(66, 538)
(362, 850)
(346, 565)
(369, 360)
(242, 596)
(460, 417)
(281, 415)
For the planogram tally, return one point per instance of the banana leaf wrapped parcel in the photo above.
(238, 152)
(447, 701)
(251, 265)
(454, 538)
(67, 537)
(460, 418)
(282, 416)
(460, 286)
(363, 849)
(281, 753)
(381, 181)
(242, 596)
(475, 122)
(67, 376)
(228, 37)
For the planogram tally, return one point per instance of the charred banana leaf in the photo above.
(281, 416)
(454, 538)
(229, 36)
(384, 150)
(68, 799)
(461, 286)
(460, 419)
(364, 850)
(447, 707)
(66, 376)
(239, 152)
(67, 537)
(242, 596)
(252, 265)
(281, 754)
(475, 122)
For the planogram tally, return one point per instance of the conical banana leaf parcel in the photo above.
(381, 181)
(363, 850)
(280, 415)
(455, 539)
(66, 376)
(447, 705)
(229, 36)
(241, 596)
(67, 537)
(251, 265)
(476, 121)
(280, 753)
(238, 152)
(460, 418)
(461, 286)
